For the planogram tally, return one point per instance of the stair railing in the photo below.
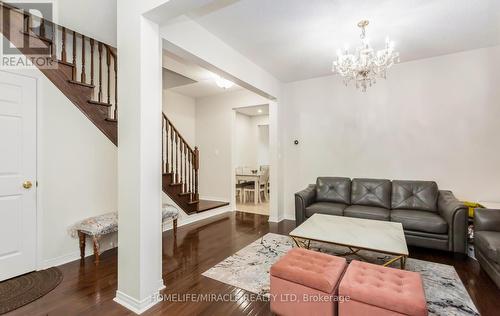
(180, 160)
(79, 51)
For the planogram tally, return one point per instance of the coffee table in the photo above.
(354, 233)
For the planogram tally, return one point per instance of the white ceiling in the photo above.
(189, 79)
(255, 110)
(298, 39)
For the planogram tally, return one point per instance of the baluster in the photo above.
(116, 86)
(92, 63)
(196, 167)
(108, 62)
(176, 157)
(42, 28)
(53, 43)
(162, 145)
(172, 152)
(190, 187)
(83, 59)
(185, 167)
(74, 56)
(181, 149)
(26, 23)
(63, 48)
(99, 94)
(166, 143)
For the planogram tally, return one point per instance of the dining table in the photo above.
(248, 176)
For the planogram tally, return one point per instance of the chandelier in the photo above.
(365, 65)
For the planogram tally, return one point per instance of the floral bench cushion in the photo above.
(169, 211)
(98, 225)
(108, 223)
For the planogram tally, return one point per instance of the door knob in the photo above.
(27, 184)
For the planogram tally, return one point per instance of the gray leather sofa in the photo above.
(431, 218)
(487, 241)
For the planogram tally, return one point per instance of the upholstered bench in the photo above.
(97, 226)
(378, 290)
(305, 282)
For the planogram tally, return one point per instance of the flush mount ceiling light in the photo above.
(365, 65)
(222, 83)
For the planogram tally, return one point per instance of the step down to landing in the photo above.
(207, 205)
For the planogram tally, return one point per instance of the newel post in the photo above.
(196, 168)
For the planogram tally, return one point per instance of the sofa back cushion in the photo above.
(333, 189)
(414, 195)
(371, 192)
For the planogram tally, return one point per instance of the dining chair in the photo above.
(264, 184)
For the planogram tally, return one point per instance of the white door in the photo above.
(17, 172)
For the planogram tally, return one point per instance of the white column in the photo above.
(139, 158)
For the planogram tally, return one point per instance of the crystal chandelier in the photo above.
(365, 65)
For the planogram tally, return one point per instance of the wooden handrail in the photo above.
(177, 132)
(179, 160)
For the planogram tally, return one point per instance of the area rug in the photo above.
(26, 288)
(248, 269)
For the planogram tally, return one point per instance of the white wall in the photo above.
(245, 153)
(77, 173)
(433, 119)
(180, 109)
(94, 18)
(263, 145)
(214, 138)
(251, 140)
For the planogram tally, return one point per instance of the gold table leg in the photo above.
(302, 243)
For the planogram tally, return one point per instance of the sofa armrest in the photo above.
(455, 214)
(303, 199)
(486, 219)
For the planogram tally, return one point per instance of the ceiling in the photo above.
(189, 79)
(255, 110)
(298, 39)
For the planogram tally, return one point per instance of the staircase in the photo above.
(85, 71)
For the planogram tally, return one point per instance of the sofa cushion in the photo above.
(325, 208)
(368, 212)
(417, 220)
(414, 195)
(333, 189)
(371, 192)
(489, 244)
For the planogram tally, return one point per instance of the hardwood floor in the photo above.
(88, 290)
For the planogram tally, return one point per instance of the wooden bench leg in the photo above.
(81, 236)
(96, 249)
(175, 227)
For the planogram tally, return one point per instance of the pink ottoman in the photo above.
(305, 282)
(375, 290)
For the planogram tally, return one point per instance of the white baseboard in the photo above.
(275, 219)
(137, 306)
(72, 256)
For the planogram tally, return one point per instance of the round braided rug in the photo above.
(24, 289)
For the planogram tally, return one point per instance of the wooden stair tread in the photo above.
(111, 120)
(100, 103)
(207, 205)
(185, 193)
(175, 183)
(88, 85)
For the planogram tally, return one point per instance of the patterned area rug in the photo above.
(249, 269)
(26, 288)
